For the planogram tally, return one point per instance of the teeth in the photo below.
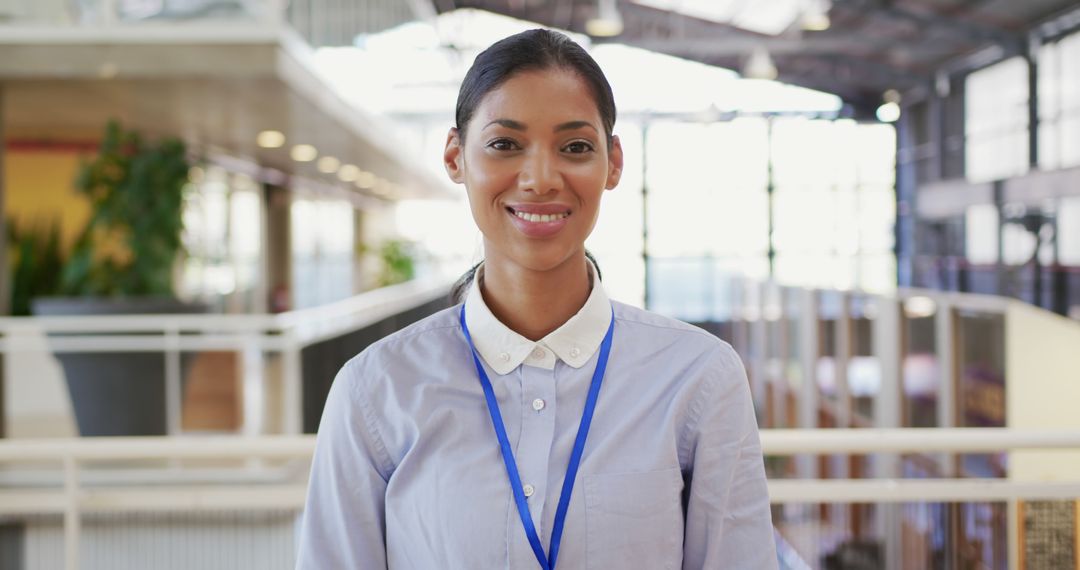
(541, 217)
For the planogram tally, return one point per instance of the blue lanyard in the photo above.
(575, 456)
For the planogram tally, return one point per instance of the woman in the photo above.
(538, 423)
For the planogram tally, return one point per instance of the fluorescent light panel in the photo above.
(762, 16)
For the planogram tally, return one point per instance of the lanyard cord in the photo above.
(575, 456)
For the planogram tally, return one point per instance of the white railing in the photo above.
(252, 336)
(272, 472)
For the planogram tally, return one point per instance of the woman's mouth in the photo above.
(531, 217)
(539, 221)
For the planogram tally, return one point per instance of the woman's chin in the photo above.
(537, 257)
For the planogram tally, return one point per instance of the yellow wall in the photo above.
(39, 185)
(1042, 362)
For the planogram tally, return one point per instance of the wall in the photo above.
(1043, 371)
(39, 184)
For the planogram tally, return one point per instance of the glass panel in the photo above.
(793, 321)
(222, 239)
(980, 395)
(924, 536)
(864, 368)
(921, 370)
(829, 311)
(212, 393)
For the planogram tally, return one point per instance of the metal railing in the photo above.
(269, 473)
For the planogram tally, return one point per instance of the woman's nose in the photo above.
(540, 174)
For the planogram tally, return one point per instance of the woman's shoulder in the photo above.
(427, 336)
(652, 323)
(683, 340)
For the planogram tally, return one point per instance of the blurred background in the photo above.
(211, 205)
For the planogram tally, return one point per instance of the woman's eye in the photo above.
(503, 144)
(578, 147)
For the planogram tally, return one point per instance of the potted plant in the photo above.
(36, 262)
(397, 262)
(122, 263)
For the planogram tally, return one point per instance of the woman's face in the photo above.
(535, 162)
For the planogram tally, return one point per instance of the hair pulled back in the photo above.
(532, 50)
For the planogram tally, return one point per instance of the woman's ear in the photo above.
(452, 157)
(615, 163)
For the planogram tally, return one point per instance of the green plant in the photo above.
(397, 262)
(36, 261)
(132, 238)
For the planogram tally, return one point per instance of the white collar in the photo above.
(574, 342)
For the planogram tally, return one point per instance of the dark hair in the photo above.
(530, 51)
(461, 286)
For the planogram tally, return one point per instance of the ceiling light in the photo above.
(760, 65)
(815, 15)
(270, 139)
(348, 172)
(328, 164)
(889, 111)
(365, 179)
(607, 22)
(303, 153)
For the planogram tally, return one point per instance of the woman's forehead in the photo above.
(552, 96)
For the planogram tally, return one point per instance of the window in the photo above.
(1059, 103)
(996, 121)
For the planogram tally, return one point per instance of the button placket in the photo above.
(537, 436)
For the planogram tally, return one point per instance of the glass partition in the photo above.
(920, 368)
(830, 311)
(864, 367)
(792, 359)
(980, 396)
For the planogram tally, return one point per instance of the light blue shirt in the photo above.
(407, 472)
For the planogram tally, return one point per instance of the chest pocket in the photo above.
(634, 520)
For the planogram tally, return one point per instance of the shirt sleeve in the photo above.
(728, 522)
(344, 522)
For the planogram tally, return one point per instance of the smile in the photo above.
(543, 218)
(539, 221)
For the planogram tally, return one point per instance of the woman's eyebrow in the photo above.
(574, 125)
(508, 123)
(519, 126)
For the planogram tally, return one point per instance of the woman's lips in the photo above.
(539, 220)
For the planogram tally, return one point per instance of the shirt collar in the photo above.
(574, 342)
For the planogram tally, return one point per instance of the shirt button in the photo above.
(504, 357)
(574, 352)
(529, 490)
(538, 404)
(538, 353)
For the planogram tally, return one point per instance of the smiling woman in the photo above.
(538, 422)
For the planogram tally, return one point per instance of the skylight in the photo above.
(770, 17)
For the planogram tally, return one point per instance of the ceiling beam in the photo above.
(974, 32)
(733, 45)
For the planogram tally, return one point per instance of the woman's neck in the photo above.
(535, 303)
